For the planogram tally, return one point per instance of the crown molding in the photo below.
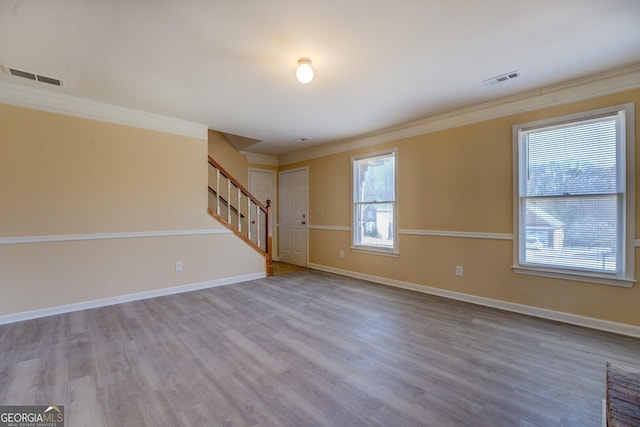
(615, 81)
(261, 159)
(53, 102)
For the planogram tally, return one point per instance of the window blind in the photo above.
(571, 197)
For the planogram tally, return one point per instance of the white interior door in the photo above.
(262, 184)
(293, 217)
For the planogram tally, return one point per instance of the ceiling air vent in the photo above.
(501, 78)
(33, 76)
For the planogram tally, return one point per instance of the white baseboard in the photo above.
(34, 314)
(573, 319)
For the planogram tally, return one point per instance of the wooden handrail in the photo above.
(266, 209)
(236, 183)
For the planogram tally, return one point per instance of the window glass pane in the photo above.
(579, 158)
(573, 203)
(374, 224)
(572, 232)
(375, 179)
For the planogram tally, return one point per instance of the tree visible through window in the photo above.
(572, 192)
(374, 201)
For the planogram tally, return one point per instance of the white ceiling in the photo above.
(231, 64)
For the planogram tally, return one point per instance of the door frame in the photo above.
(275, 213)
(304, 169)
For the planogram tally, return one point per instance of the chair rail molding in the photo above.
(104, 236)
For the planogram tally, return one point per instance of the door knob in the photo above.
(304, 222)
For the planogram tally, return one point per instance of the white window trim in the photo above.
(374, 250)
(627, 276)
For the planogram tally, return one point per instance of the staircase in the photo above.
(239, 211)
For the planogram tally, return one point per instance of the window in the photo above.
(374, 202)
(574, 188)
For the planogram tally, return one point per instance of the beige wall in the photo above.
(65, 175)
(459, 179)
(228, 157)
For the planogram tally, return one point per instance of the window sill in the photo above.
(578, 277)
(375, 251)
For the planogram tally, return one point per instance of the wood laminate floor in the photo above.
(308, 349)
(280, 268)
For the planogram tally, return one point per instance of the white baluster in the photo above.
(238, 204)
(249, 218)
(258, 224)
(218, 191)
(228, 200)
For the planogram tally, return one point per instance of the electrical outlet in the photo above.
(459, 271)
(178, 265)
(341, 253)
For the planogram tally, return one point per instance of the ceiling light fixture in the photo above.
(304, 73)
